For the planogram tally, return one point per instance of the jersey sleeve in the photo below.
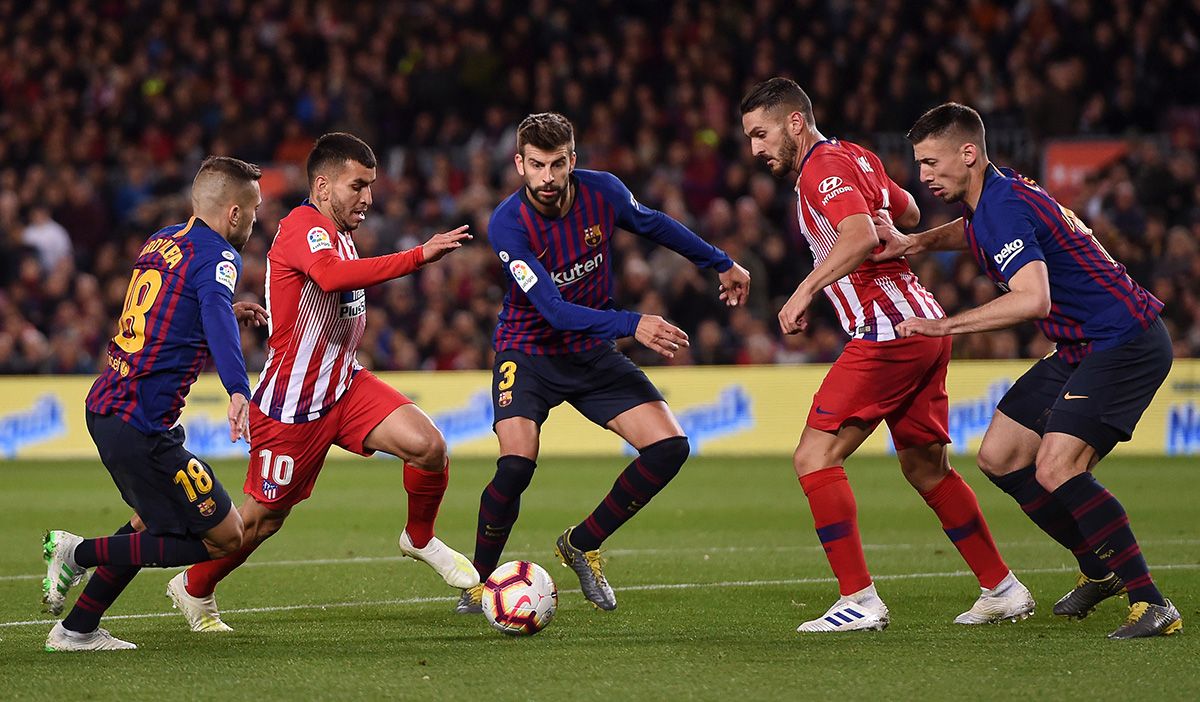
(1007, 231)
(834, 187)
(303, 242)
(306, 245)
(897, 197)
(215, 280)
(522, 267)
(663, 230)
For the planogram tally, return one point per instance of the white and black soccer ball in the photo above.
(520, 598)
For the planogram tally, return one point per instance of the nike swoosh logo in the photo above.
(1069, 396)
(525, 601)
(821, 411)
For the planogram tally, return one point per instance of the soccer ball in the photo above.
(520, 598)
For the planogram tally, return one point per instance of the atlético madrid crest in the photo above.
(592, 235)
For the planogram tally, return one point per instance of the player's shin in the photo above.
(957, 508)
(425, 489)
(835, 516)
(499, 506)
(201, 579)
(641, 480)
(1051, 516)
(1103, 522)
(140, 549)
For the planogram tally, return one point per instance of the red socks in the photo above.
(425, 489)
(835, 515)
(955, 505)
(201, 579)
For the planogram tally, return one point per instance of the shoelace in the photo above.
(596, 562)
(1136, 612)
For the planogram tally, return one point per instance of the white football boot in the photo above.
(201, 612)
(1008, 600)
(63, 639)
(455, 568)
(859, 611)
(62, 573)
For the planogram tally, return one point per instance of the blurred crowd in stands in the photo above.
(108, 106)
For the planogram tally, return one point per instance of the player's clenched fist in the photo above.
(658, 334)
(441, 244)
(791, 317)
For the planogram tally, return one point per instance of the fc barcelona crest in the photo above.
(592, 235)
(207, 507)
(505, 398)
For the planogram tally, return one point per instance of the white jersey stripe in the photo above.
(862, 298)
(313, 334)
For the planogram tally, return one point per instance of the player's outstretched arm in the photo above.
(947, 237)
(1028, 298)
(659, 335)
(662, 229)
(332, 273)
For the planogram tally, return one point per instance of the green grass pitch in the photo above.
(712, 579)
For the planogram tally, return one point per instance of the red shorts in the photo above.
(901, 382)
(285, 459)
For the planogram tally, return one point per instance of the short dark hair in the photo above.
(229, 167)
(779, 92)
(546, 131)
(948, 118)
(333, 150)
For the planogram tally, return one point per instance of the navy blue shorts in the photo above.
(1101, 398)
(172, 491)
(600, 383)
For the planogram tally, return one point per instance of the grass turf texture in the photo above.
(712, 579)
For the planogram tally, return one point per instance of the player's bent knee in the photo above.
(673, 451)
(993, 462)
(226, 537)
(430, 451)
(806, 461)
(665, 458)
(1053, 469)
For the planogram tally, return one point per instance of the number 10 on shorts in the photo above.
(278, 471)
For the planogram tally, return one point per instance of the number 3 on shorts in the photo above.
(508, 369)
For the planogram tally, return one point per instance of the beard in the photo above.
(548, 199)
(785, 162)
(343, 217)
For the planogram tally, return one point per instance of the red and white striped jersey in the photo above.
(838, 179)
(312, 334)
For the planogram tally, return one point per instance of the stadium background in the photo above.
(106, 109)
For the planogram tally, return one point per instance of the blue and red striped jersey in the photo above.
(559, 299)
(179, 305)
(1094, 304)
